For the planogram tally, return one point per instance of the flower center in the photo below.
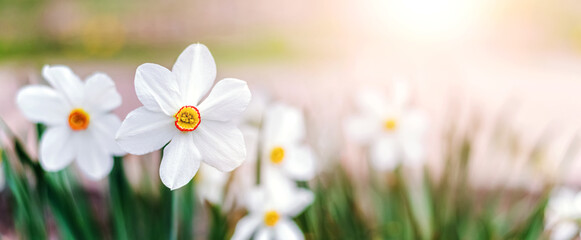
(79, 119)
(390, 124)
(277, 155)
(271, 218)
(187, 118)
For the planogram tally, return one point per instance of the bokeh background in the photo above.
(506, 71)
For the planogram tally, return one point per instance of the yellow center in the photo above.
(277, 155)
(187, 118)
(271, 218)
(79, 119)
(390, 124)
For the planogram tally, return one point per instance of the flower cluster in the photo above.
(284, 159)
(82, 127)
(203, 132)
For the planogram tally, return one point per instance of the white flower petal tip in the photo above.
(42, 104)
(195, 70)
(101, 93)
(157, 89)
(227, 101)
(80, 125)
(180, 163)
(144, 131)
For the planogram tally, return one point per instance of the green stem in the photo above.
(401, 186)
(173, 234)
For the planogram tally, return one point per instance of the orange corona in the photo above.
(79, 119)
(187, 119)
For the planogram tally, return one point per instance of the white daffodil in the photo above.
(173, 111)
(282, 143)
(79, 120)
(210, 184)
(393, 131)
(271, 210)
(563, 213)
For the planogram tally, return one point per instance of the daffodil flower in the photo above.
(271, 209)
(174, 110)
(283, 143)
(563, 214)
(393, 131)
(78, 117)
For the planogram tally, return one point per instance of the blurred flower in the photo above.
(563, 213)
(255, 112)
(79, 120)
(173, 112)
(271, 210)
(393, 131)
(244, 178)
(210, 184)
(282, 143)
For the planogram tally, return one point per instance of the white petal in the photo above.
(255, 198)
(384, 153)
(264, 233)
(372, 102)
(362, 129)
(299, 163)
(180, 162)
(278, 187)
(288, 230)
(157, 89)
(101, 94)
(301, 199)
(255, 110)
(144, 131)
(65, 81)
(246, 226)
(92, 158)
(226, 101)
(284, 124)
(400, 93)
(43, 104)
(195, 70)
(251, 137)
(57, 148)
(564, 231)
(414, 153)
(104, 129)
(210, 184)
(221, 144)
(414, 124)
